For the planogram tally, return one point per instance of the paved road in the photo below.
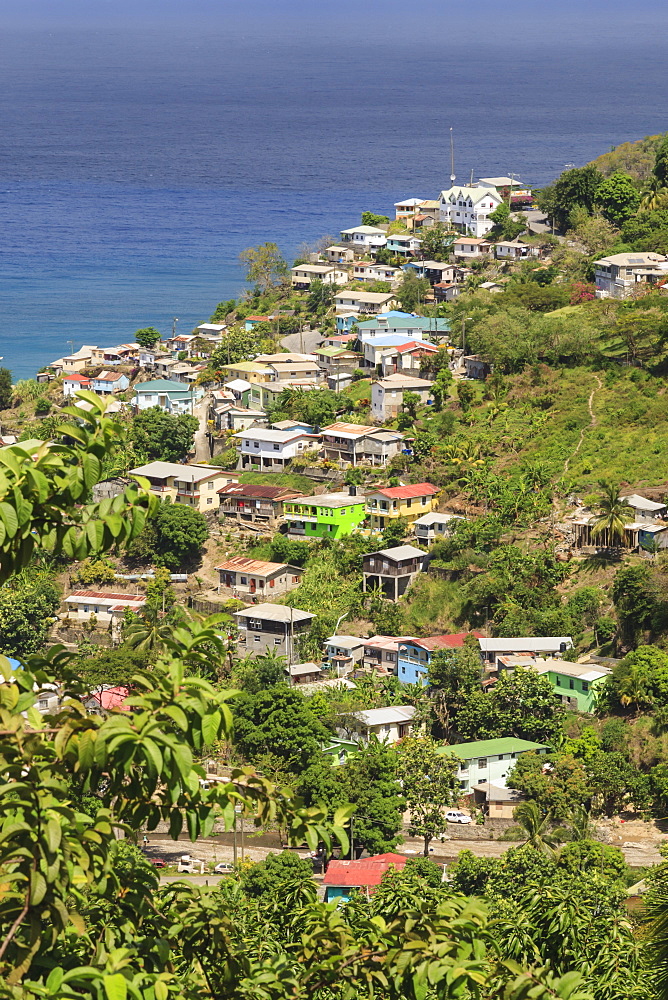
(302, 343)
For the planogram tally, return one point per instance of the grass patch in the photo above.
(432, 606)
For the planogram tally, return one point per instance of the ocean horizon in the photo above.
(136, 164)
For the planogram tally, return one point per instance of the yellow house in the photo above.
(192, 485)
(409, 502)
(251, 371)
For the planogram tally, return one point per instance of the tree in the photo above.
(255, 673)
(278, 721)
(441, 388)
(222, 311)
(5, 388)
(147, 337)
(267, 879)
(371, 219)
(535, 827)
(505, 227)
(612, 514)
(635, 599)
(575, 188)
(265, 266)
(429, 782)
(520, 704)
(557, 783)
(436, 242)
(28, 606)
(639, 680)
(369, 779)
(162, 436)
(182, 531)
(394, 532)
(454, 674)
(410, 402)
(320, 296)
(412, 291)
(465, 395)
(618, 198)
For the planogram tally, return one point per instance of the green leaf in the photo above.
(115, 987)
(37, 888)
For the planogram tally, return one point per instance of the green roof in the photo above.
(331, 352)
(491, 748)
(162, 385)
(247, 366)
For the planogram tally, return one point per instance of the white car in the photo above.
(224, 868)
(455, 816)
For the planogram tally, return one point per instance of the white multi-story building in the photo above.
(468, 208)
(270, 450)
(364, 238)
(618, 276)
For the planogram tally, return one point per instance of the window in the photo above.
(210, 486)
(409, 503)
(276, 447)
(256, 638)
(86, 608)
(571, 684)
(43, 703)
(271, 583)
(403, 670)
(256, 444)
(585, 686)
(482, 763)
(243, 580)
(255, 624)
(277, 641)
(209, 499)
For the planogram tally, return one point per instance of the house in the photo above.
(514, 250)
(107, 699)
(251, 577)
(286, 371)
(407, 358)
(363, 875)
(73, 383)
(108, 382)
(392, 570)
(271, 627)
(73, 362)
(327, 515)
(364, 239)
(266, 394)
(489, 760)
(303, 673)
(392, 502)
(344, 652)
(387, 394)
(252, 321)
(360, 444)
(428, 213)
(407, 208)
(646, 510)
(388, 725)
(211, 331)
(265, 450)
(518, 191)
(576, 685)
(445, 291)
(432, 526)
(476, 367)
(181, 343)
(381, 653)
(337, 749)
(249, 371)
(303, 274)
(192, 485)
(105, 607)
(468, 208)
(468, 247)
(411, 327)
(496, 800)
(172, 397)
(622, 274)
(374, 348)
(247, 502)
(551, 645)
(403, 244)
(371, 271)
(339, 255)
(491, 286)
(338, 360)
(339, 381)
(240, 389)
(229, 416)
(415, 655)
(353, 302)
(433, 270)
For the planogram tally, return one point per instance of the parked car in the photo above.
(455, 816)
(224, 868)
(157, 862)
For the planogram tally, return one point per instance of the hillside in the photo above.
(634, 158)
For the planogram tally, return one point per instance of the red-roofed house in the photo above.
(364, 875)
(107, 608)
(415, 654)
(107, 699)
(405, 357)
(254, 576)
(107, 382)
(409, 502)
(248, 502)
(72, 383)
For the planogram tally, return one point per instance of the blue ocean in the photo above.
(140, 154)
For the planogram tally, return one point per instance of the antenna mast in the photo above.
(452, 158)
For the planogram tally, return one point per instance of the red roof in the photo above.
(258, 492)
(445, 641)
(76, 378)
(408, 492)
(108, 595)
(413, 345)
(365, 872)
(112, 698)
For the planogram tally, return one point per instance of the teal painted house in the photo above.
(330, 515)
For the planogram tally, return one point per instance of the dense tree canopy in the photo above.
(163, 436)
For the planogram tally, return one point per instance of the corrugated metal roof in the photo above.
(408, 492)
(259, 566)
(364, 872)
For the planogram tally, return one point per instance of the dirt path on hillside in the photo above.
(592, 423)
(201, 439)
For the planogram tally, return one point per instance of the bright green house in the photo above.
(576, 685)
(330, 515)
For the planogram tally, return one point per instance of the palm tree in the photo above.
(535, 827)
(613, 513)
(655, 195)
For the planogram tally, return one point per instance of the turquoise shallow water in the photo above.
(136, 162)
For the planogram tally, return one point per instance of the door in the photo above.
(252, 585)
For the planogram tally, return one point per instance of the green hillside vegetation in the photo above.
(634, 158)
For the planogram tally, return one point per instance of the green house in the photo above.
(330, 515)
(576, 685)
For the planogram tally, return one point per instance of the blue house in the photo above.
(107, 382)
(415, 655)
(172, 397)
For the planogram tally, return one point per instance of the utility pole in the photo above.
(174, 322)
